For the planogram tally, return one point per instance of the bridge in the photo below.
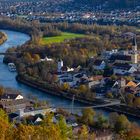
(94, 106)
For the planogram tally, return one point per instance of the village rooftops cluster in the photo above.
(68, 10)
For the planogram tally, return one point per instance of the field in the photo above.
(59, 39)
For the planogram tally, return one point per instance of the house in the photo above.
(100, 91)
(13, 116)
(132, 84)
(118, 58)
(14, 105)
(10, 97)
(33, 112)
(123, 68)
(69, 81)
(93, 83)
(136, 75)
(35, 120)
(99, 64)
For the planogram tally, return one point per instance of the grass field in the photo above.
(59, 39)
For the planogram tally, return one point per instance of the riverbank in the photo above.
(121, 109)
(3, 38)
(56, 92)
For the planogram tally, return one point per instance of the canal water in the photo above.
(7, 78)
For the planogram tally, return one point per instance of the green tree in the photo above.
(102, 122)
(66, 131)
(122, 124)
(88, 116)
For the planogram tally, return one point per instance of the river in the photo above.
(7, 78)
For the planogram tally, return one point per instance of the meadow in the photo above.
(58, 39)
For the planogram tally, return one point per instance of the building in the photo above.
(119, 58)
(99, 64)
(123, 68)
(14, 105)
(134, 51)
(10, 97)
(25, 112)
(133, 84)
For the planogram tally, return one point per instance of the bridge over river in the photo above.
(107, 104)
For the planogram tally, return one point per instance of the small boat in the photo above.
(12, 67)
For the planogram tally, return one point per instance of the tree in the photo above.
(4, 125)
(83, 133)
(88, 116)
(113, 119)
(129, 99)
(36, 58)
(65, 86)
(66, 131)
(24, 132)
(102, 122)
(134, 134)
(137, 102)
(54, 78)
(109, 95)
(2, 90)
(122, 124)
(83, 89)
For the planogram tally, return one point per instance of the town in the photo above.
(70, 69)
(58, 11)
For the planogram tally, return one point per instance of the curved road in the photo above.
(7, 78)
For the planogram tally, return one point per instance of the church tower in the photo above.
(134, 51)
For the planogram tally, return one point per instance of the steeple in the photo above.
(134, 44)
(134, 50)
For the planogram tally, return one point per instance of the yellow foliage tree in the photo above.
(65, 86)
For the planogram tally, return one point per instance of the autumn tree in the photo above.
(1, 90)
(66, 131)
(83, 133)
(137, 102)
(88, 116)
(4, 125)
(65, 86)
(36, 58)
